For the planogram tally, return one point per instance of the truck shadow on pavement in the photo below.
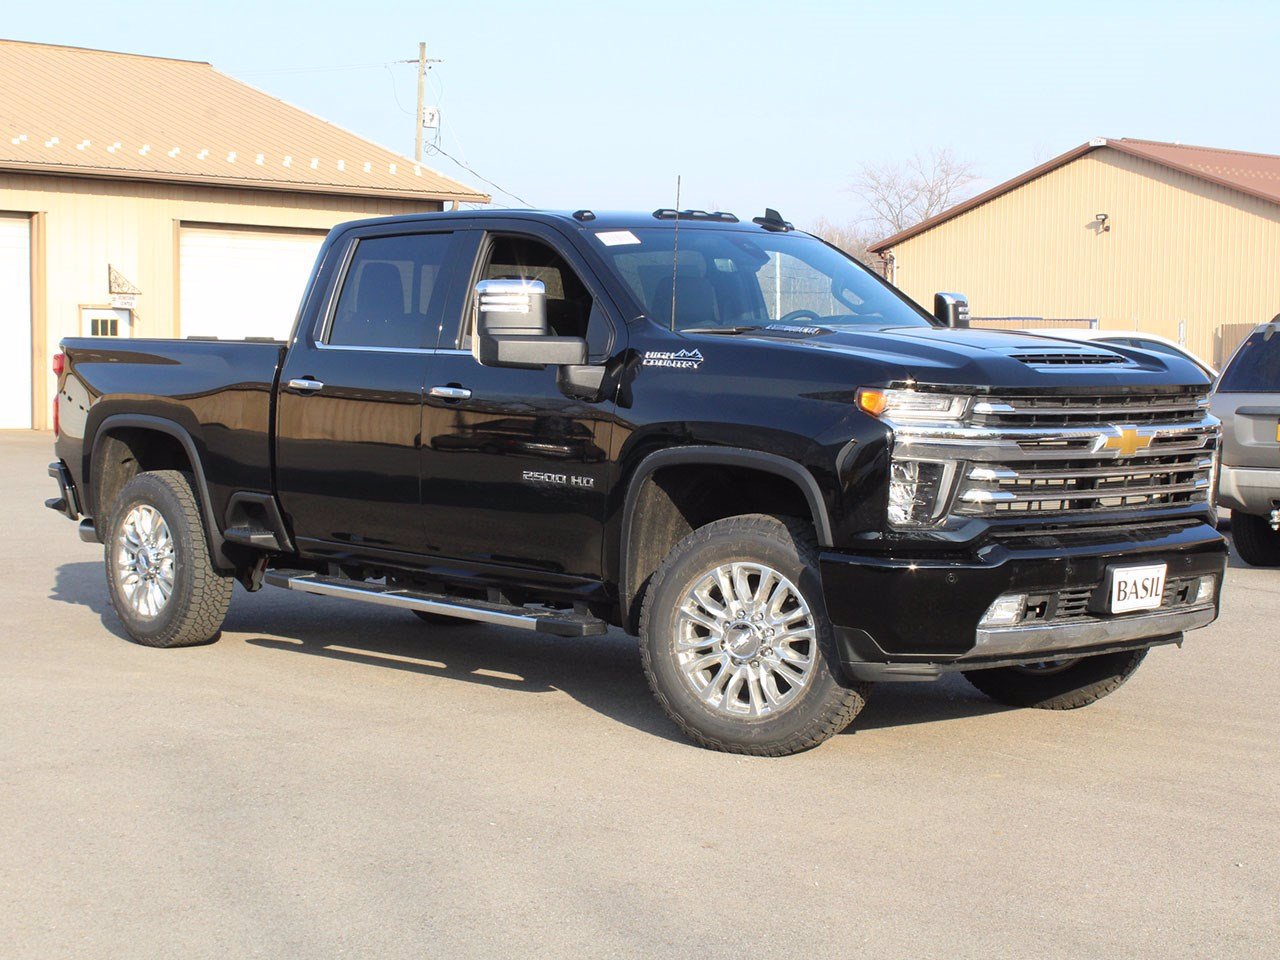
(602, 673)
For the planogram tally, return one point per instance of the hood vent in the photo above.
(1072, 359)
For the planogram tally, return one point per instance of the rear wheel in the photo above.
(1058, 684)
(1256, 542)
(736, 643)
(160, 574)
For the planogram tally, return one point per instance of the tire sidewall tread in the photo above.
(201, 593)
(1080, 685)
(829, 702)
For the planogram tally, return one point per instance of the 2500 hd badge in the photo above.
(559, 479)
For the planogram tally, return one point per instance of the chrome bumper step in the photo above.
(560, 623)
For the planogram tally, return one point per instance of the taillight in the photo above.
(59, 364)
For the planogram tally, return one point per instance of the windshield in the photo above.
(730, 279)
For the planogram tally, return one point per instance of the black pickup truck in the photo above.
(727, 438)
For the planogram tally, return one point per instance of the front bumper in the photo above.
(898, 617)
(1249, 489)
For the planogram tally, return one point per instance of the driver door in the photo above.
(514, 471)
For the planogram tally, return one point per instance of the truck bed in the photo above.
(218, 391)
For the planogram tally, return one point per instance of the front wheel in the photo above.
(160, 574)
(736, 643)
(1058, 684)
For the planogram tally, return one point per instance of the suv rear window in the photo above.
(1256, 365)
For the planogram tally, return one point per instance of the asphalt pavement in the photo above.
(332, 779)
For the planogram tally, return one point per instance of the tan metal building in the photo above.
(1169, 239)
(142, 196)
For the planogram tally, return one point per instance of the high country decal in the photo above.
(680, 359)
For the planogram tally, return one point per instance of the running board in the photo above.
(560, 623)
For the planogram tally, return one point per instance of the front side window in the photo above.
(571, 310)
(393, 294)
(735, 278)
(1256, 365)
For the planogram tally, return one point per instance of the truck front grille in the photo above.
(1072, 458)
(1088, 455)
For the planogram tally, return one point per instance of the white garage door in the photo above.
(241, 283)
(15, 322)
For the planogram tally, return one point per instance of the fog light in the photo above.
(1006, 611)
(914, 490)
(1205, 588)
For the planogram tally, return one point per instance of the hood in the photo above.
(989, 358)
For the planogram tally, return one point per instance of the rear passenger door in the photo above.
(516, 472)
(349, 413)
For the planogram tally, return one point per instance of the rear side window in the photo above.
(1256, 365)
(393, 293)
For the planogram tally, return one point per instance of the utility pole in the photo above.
(422, 92)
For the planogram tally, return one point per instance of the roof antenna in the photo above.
(675, 257)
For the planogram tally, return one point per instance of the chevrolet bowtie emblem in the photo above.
(1129, 442)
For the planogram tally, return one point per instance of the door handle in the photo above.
(451, 393)
(306, 385)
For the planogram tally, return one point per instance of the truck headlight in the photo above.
(915, 491)
(911, 406)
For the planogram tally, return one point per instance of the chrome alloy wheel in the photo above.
(145, 560)
(746, 640)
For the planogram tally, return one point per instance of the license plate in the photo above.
(1137, 588)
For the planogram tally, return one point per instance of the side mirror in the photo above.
(952, 309)
(511, 327)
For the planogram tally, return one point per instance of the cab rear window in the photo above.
(1256, 365)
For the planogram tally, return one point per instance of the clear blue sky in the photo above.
(602, 104)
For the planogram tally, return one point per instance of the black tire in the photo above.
(200, 595)
(819, 708)
(1068, 687)
(1255, 541)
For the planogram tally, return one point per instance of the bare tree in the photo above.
(900, 195)
(852, 237)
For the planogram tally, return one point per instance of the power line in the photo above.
(436, 148)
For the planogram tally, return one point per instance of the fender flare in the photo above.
(718, 456)
(178, 432)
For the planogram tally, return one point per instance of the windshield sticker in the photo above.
(617, 238)
(680, 359)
